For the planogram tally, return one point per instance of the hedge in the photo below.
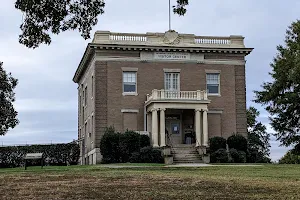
(55, 154)
(147, 155)
(237, 142)
(219, 156)
(216, 143)
(118, 147)
(237, 156)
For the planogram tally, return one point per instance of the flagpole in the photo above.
(169, 14)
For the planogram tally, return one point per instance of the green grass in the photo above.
(153, 181)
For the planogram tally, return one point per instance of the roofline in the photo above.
(169, 48)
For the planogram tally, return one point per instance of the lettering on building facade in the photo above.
(171, 56)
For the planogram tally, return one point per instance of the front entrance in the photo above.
(173, 131)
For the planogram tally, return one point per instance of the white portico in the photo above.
(162, 104)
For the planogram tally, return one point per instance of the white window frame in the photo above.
(219, 85)
(172, 74)
(123, 83)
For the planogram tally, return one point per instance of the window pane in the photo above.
(129, 81)
(129, 88)
(213, 89)
(212, 78)
(171, 81)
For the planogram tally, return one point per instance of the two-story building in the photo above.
(178, 88)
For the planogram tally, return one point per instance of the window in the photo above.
(213, 83)
(129, 82)
(80, 105)
(85, 97)
(92, 86)
(85, 128)
(83, 115)
(172, 81)
(92, 128)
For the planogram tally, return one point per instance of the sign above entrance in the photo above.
(171, 56)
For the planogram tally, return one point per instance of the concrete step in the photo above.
(184, 146)
(185, 153)
(185, 156)
(187, 161)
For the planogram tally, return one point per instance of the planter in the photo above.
(206, 158)
(166, 151)
(168, 160)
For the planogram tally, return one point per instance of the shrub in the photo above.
(216, 143)
(219, 156)
(147, 155)
(135, 157)
(151, 155)
(237, 156)
(56, 154)
(255, 156)
(116, 147)
(129, 143)
(109, 146)
(237, 142)
(290, 158)
(144, 141)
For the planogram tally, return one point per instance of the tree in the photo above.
(43, 17)
(281, 95)
(258, 138)
(7, 97)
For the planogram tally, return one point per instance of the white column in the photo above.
(154, 128)
(162, 128)
(205, 128)
(198, 130)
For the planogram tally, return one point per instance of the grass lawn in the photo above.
(153, 182)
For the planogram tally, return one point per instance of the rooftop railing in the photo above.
(158, 38)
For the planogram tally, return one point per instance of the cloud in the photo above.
(47, 97)
(38, 105)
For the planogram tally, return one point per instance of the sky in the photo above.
(46, 97)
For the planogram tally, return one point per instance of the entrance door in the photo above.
(174, 134)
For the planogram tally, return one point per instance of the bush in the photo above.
(135, 157)
(147, 155)
(144, 141)
(56, 154)
(255, 156)
(129, 143)
(109, 146)
(116, 147)
(219, 156)
(216, 143)
(237, 156)
(290, 158)
(237, 142)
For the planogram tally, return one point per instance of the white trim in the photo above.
(129, 69)
(130, 59)
(215, 112)
(212, 71)
(219, 92)
(130, 94)
(178, 85)
(129, 110)
(172, 70)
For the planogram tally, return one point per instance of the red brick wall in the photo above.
(150, 76)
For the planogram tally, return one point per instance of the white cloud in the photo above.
(45, 74)
(38, 105)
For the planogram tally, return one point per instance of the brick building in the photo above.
(178, 88)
